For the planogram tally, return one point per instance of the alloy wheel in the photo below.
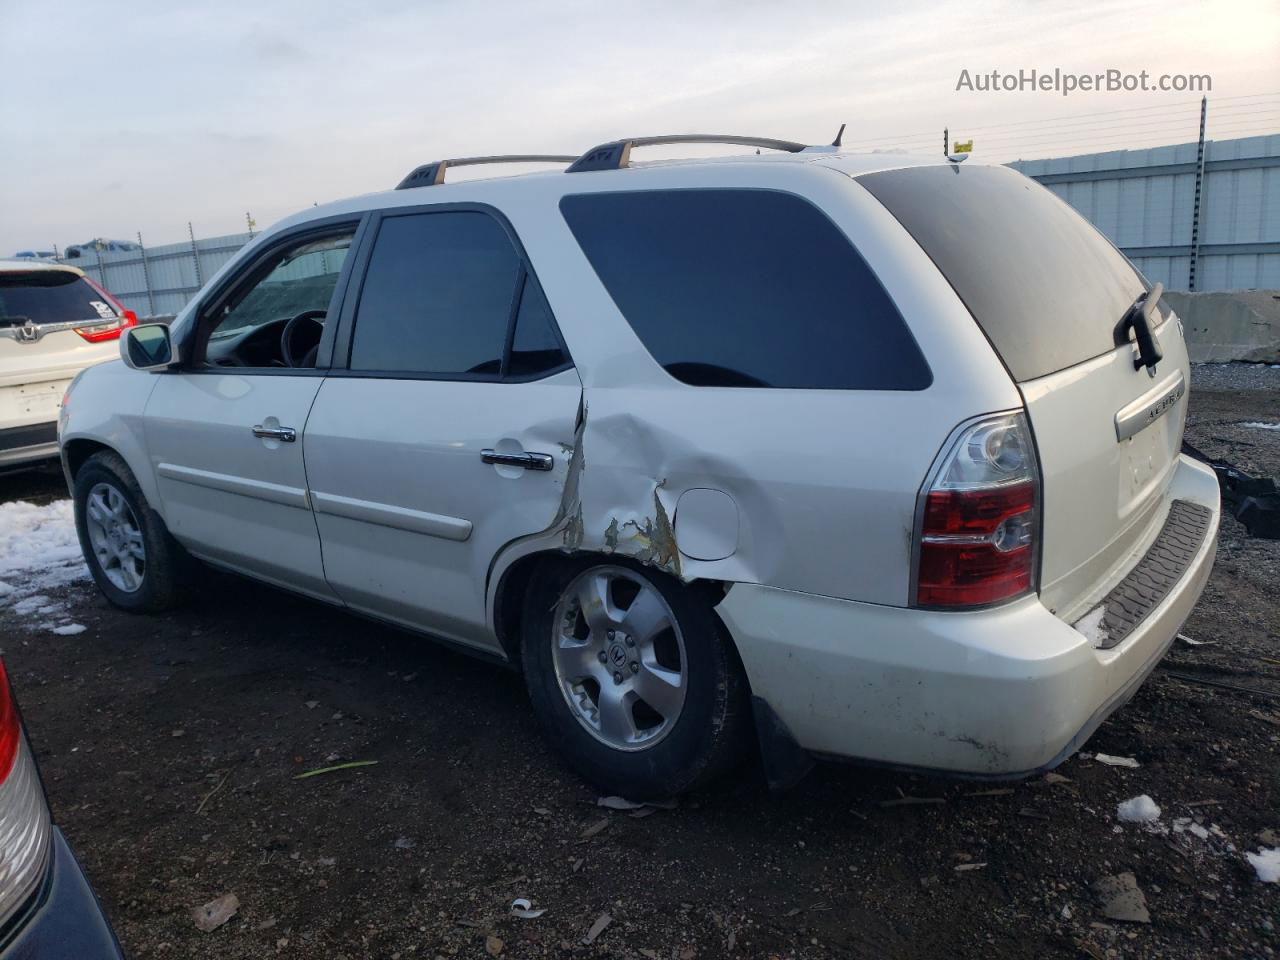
(619, 657)
(116, 537)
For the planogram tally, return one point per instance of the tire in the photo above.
(154, 582)
(632, 748)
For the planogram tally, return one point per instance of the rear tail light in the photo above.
(24, 814)
(10, 728)
(977, 536)
(108, 329)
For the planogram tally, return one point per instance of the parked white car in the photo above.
(54, 322)
(879, 453)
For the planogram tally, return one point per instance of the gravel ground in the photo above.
(170, 748)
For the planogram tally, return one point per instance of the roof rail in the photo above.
(432, 174)
(616, 155)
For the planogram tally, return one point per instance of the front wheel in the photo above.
(132, 557)
(631, 678)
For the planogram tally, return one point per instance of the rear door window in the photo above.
(50, 296)
(745, 288)
(1045, 286)
(437, 297)
(447, 294)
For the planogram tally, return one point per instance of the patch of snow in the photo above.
(1259, 425)
(68, 629)
(29, 605)
(1267, 863)
(1187, 825)
(39, 551)
(1090, 625)
(1141, 809)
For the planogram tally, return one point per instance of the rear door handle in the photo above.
(283, 434)
(530, 461)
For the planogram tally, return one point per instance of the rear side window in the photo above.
(1045, 286)
(745, 288)
(49, 296)
(437, 297)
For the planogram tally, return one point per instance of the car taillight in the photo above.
(24, 815)
(108, 329)
(977, 536)
(10, 728)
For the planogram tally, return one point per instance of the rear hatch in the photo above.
(1049, 291)
(53, 323)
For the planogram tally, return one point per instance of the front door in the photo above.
(224, 431)
(453, 352)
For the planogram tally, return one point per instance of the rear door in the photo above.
(451, 351)
(1049, 291)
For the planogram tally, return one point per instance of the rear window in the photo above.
(745, 288)
(49, 296)
(1045, 286)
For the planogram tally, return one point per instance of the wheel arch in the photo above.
(513, 583)
(75, 452)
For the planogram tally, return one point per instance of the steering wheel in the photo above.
(290, 330)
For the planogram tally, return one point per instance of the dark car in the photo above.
(47, 910)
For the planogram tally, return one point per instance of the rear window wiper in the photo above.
(1138, 318)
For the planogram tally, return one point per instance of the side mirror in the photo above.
(149, 347)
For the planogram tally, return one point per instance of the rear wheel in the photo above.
(631, 678)
(132, 557)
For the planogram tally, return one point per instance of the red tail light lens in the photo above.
(10, 729)
(108, 329)
(977, 541)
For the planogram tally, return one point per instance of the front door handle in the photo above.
(283, 434)
(530, 461)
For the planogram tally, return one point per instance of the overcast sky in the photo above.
(120, 116)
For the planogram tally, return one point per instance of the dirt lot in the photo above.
(170, 747)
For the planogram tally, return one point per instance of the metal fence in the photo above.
(1193, 216)
(157, 281)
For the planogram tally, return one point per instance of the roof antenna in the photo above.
(839, 136)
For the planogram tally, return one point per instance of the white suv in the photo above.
(54, 322)
(879, 453)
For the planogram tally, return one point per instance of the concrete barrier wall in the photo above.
(1227, 325)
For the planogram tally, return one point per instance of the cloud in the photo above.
(202, 111)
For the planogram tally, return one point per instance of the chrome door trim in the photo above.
(1135, 417)
(386, 515)
(258, 489)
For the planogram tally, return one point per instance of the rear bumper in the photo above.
(29, 443)
(66, 923)
(1000, 693)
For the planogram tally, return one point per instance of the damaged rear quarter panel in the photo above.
(824, 481)
(810, 510)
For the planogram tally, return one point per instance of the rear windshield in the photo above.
(49, 296)
(745, 288)
(1045, 286)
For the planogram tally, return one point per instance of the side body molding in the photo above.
(245, 487)
(388, 515)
